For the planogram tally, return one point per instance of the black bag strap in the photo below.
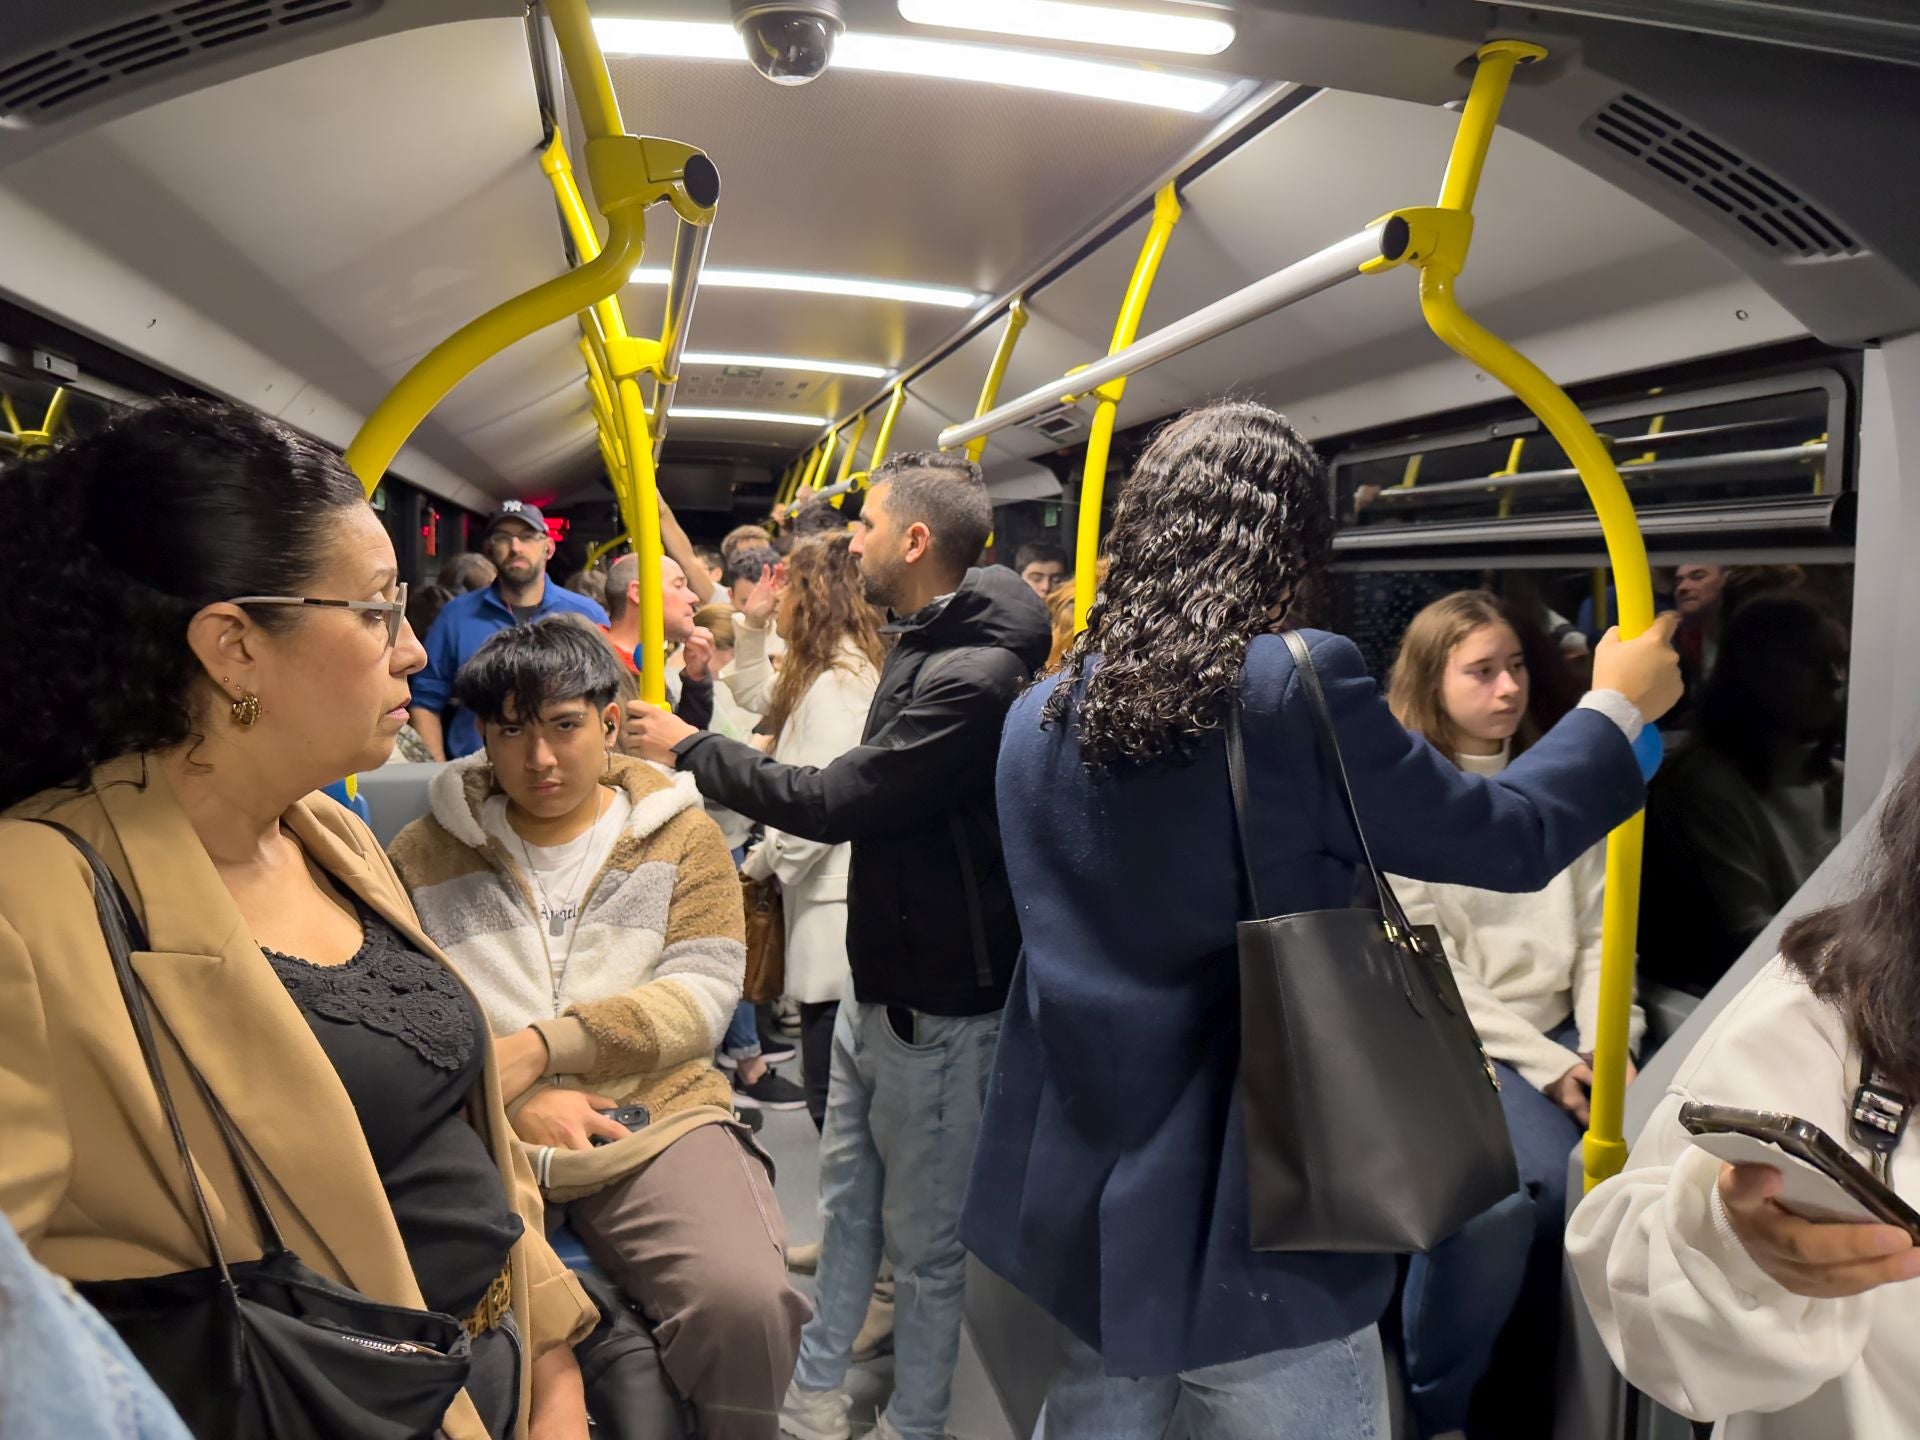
(1237, 781)
(1330, 752)
(1879, 1115)
(124, 933)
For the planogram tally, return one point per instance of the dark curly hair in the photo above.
(1221, 532)
(121, 537)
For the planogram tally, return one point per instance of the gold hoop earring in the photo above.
(246, 710)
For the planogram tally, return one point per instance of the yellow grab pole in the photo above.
(579, 223)
(853, 448)
(1093, 482)
(818, 480)
(997, 371)
(802, 472)
(643, 524)
(885, 437)
(1436, 241)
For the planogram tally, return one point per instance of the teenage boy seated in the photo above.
(594, 910)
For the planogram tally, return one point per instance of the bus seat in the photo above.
(396, 796)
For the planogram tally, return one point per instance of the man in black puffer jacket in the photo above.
(931, 930)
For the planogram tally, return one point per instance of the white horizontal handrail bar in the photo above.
(1286, 287)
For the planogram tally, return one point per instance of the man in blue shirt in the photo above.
(516, 541)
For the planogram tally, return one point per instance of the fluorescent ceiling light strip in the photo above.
(756, 417)
(783, 362)
(1189, 34)
(934, 60)
(819, 285)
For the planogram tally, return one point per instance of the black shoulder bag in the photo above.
(1372, 1113)
(266, 1347)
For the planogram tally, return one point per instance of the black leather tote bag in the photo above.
(1372, 1114)
(262, 1348)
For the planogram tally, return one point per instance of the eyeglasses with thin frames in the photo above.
(395, 609)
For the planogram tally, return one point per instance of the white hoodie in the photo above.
(1685, 1312)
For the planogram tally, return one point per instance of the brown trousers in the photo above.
(695, 1237)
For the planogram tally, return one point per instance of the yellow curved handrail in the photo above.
(461, 353)
(605, 548)
(1093, 483)
(1437, 241)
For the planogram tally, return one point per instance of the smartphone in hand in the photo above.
(1820, 1179)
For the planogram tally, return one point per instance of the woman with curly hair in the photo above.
(816, 707)
(211, 627)
(1110, 1183)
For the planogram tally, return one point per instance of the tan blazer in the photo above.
(89, 1174)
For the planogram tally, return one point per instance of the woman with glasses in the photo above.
(211, 628)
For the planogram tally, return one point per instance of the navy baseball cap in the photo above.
(521, 510)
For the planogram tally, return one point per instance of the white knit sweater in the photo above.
(1524, 963)
(828, 722)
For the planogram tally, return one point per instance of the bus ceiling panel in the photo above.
(896, 177)
(69, 65)
(836, 328)
(316, 228)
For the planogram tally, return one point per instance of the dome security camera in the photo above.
(789, 41)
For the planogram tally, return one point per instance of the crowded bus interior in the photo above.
(1052, 756)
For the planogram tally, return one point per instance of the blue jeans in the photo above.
(66, 1375)
(1332, 1391)
(742, 1040)
(901, 1124)
(1500, 1271)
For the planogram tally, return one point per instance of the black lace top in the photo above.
(406, 1041)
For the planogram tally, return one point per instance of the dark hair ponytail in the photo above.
(119, 538)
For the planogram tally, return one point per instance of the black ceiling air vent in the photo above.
(1770, 212)
(55, 83)
(1061, 424)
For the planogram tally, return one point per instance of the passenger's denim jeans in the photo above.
(64, 1374)
(1500, 1271)
(1333, 1391)
(901, 1125)
(742, 1040)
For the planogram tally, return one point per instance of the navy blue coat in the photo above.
(1110, 1180)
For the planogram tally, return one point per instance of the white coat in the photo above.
(827, 723)
(1685, 1312)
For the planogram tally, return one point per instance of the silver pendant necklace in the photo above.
(556, 921)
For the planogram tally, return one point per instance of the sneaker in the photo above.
(815, 1414)
(769, 1092)
(883, 1429)
(751, 1118)
(804, 1259)
(725, 1061)
(876, 1335)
